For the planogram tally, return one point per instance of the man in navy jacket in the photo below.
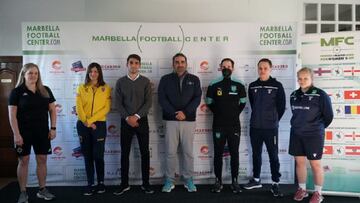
(179, 96)
(267, 100)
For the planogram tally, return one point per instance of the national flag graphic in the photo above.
(353, 110)
(351, 71)
(322, 71)
(352, 94)
(328, 150)
(352, 136)
(328, 135)
(352, 150)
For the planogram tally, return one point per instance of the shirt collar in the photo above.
(138, 75)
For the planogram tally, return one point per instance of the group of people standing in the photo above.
(179, 95)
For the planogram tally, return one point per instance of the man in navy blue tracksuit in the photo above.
(267, 100)
(226, 98)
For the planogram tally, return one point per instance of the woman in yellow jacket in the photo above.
(93, 101)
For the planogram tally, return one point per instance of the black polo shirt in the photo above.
(32, 108)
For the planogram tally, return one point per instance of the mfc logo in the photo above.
(335, 41)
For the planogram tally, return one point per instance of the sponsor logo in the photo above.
(108, 67)
(77, 67)
(77, 152)
(336, 41)
(204, 108)
(73, 111)
(204, 153)
(204, 65)
(280, 66)
(112, 151)
(203, 173)
(204, 150)
(203, 130)
(57, 151)
(58, 154)
(56, 67)
(112, 129)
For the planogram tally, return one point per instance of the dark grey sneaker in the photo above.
(122, 189)
(252, 184)
(89, 190)
(235, 187)
(217, 186)
(45, 194)
(100, 188)
(147, 189)
(276, 191)
(23, 197)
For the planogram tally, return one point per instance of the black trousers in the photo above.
(92, 143)
(270, 138)
(232, 137)
(142, 134)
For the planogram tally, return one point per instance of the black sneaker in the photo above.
(147, 189)
(252, 184)
(276, 191)
(89, 190)
(122, 189)
(235, 187)
(217, 186)
(100, 188)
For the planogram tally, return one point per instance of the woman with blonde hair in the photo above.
(30, 104)
(312, 113)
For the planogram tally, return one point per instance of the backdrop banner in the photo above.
(63, 51)
(335, 59)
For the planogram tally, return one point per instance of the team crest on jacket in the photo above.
(233, 88)
(255, 90)
(219, 92)
(269, 91)
(103, 89)
(310, 98)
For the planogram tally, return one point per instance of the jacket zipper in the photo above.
(92, 106)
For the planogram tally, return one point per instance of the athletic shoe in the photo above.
(252, 184)
(45, 194)
(300, 194)
(189, 185)
(122, 189)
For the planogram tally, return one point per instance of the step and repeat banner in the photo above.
(63, 50)
(335, 59)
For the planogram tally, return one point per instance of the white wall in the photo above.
(13, 12)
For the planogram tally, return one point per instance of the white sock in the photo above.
(277, 183)
(257, 179)
(318, 188)
(302, 186)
